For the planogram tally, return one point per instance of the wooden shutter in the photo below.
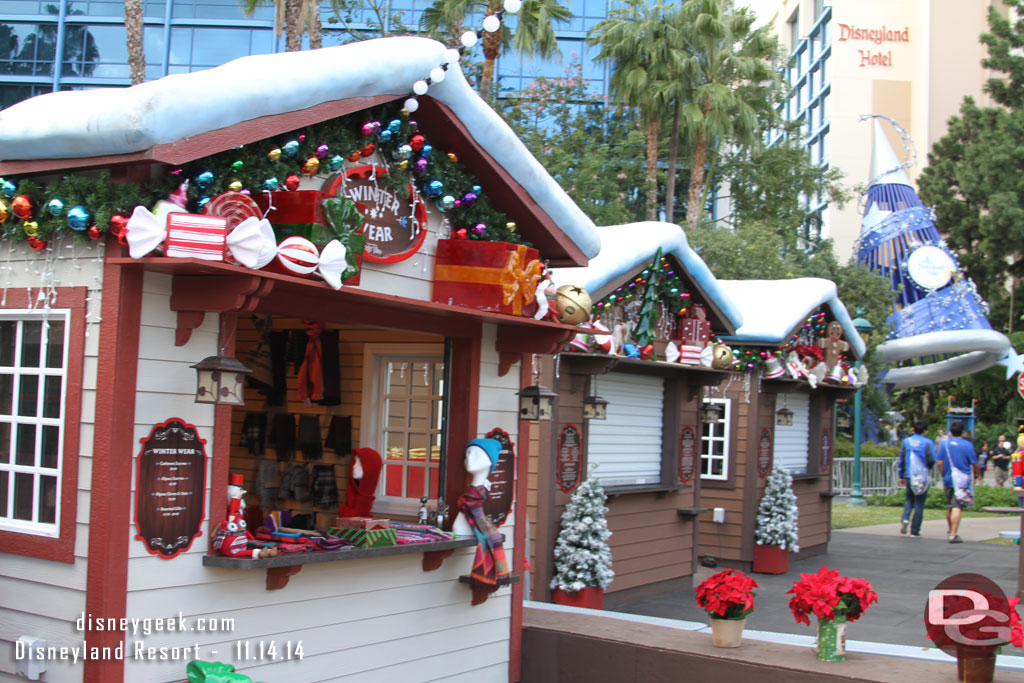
(792, 442)
(627, 447)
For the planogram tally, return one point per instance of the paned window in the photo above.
(411, 401)
(33, 384)
(714, 451)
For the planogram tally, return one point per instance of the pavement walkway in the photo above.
(901, 569)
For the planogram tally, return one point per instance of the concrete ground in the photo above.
(901, 569)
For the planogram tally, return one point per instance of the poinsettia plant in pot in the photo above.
(727, 597)
(835, 600)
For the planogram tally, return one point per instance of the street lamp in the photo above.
(864, 329)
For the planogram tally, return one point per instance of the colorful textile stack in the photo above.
(419, 533)
(366, 538)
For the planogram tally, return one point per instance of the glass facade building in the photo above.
(52, 45)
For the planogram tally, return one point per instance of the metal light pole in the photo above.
(864, 329)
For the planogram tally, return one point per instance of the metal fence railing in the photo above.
(878, 476)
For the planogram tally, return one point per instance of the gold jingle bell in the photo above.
(5, 211)
(573, 304)
(723, 359)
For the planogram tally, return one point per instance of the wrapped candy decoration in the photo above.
(816, 375)
(581, 342)
(603, 338)
(298, 256)
(672, 353)
(795, 367)
(690, 354)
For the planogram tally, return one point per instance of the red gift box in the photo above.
(693, 332)
(491, 276)
(367, 523)
(192, 235)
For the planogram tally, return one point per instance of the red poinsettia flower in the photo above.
(828, 595)
(729, 594)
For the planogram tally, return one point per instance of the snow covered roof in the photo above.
(624, 248)
(772, 309)
(123, 121)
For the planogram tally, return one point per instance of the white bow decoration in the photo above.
(333, 263)
(252, 243)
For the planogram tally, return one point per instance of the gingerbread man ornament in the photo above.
(833, 345)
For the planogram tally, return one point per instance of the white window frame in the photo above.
(371, 432)
(7, 521)
(725, 424)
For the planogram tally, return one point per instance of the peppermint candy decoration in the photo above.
(297, 255)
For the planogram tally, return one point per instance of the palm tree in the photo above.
(133, 27)
(534, 33)
(643, 43)
(295, 17)
(726, 85)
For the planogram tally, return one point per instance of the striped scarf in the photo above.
(490, 569)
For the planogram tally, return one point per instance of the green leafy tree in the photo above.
(642, 42)
(727, 82)
(596, 156)
(366, 19)
(534, 32)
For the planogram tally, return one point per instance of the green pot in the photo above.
(832, 639)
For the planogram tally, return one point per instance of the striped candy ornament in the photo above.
(192, 235)
(297, 255)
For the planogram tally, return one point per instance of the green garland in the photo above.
(251, 166)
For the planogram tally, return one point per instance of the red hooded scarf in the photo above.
(359, 494)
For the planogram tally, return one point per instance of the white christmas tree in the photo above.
(776, 517)
(582, 555)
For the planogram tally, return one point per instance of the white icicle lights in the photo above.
(778, 512)
(582, 555)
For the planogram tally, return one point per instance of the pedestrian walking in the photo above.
(1000, 460)
(917, 455)
(983, 456)
(958, 465)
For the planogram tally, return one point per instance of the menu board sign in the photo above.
(569, 457)
(687, 454)
(764, 453)
(170, 488)
(503, 479)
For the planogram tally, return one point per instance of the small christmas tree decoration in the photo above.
(778, 512)
(582, 556)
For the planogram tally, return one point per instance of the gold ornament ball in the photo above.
(31, 228)
(451, 157)
(403, 164)
(5, 211)
(573, 304)
(510, 226)
(274, 154)
(235, 186)
(311, 166)
(723, 359)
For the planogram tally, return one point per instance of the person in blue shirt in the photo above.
(917, 455)
(958, 464)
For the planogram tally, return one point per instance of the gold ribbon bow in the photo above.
(519, 284)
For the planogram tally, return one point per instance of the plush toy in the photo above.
(834, 345)
(236, 492)
(233, 536)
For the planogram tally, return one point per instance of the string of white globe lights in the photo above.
(491, 23)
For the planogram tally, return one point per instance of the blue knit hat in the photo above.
(492, 447)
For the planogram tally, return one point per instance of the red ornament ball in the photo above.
(94, 232)
(36, 243)
(292, 182)
(417, 142)
(368, 150)
(118, 223)
(461, 234)
(297, 255)
(21, 207)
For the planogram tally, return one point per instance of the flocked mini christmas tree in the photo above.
(582, 555)
(777, 515)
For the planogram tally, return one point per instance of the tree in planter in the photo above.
(582, 556)
(777, 514)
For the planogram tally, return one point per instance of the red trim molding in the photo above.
(62, 548)
(110, 509)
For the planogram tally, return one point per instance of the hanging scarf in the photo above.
(490, 568)
(360, 493)
(311, 372)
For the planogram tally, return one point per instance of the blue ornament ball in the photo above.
(425, 152)
(9, 189)
(336, 162)
(446, 203)
(395, 126)
(202, 201)
(402, 152)
(290, 148)
(204, 179)
(55, 206)
(271, 184)
(477, 190)
(79, 218)
(435, 188)
(385, 135)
